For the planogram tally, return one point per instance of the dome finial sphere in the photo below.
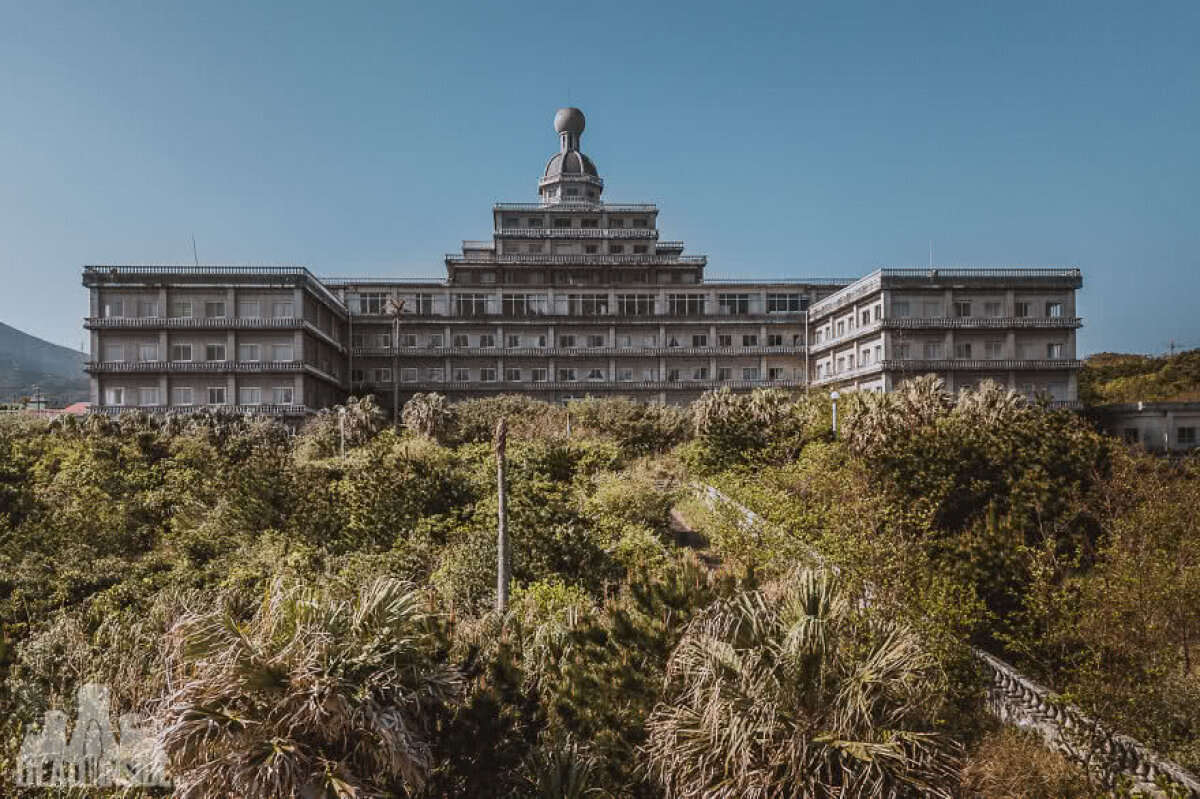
(569, 120)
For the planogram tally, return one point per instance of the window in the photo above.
(566, 376)
(624, 340)
(249, 395)
(282, 309)
(462, 375)
(512, 375)
(538, 373)
(962, 308)
(700, 340)
(749, 339)
(372, 302)
(962, 349)
(931, 310)
(1021, 310)
(900, 310)
(437, 374)
(470, 304)
(512, 340)
(510, 221)
(523, 304)
(214, 352)
(750, 373)
(616, 249)
(566, 340)
(865, 357)
(672, 375)
(903, 351)
(650, 340)
(1054, 351)
(114, 309)
(699, 372)
(625, 374)
(932, 350)
(774, 340)
(841, 365)
(866, 317)
(841, 329)
(649, 374)
(147, 308)
(114, 352)
(784, 303)
(216, 395)
(182, 353)
(587, 304)
(534, 221)
(1186, 435)
(614, 222)
(562, 221)
(381, 374)
(147, 353)
(148, 396)
(724, 373)
(249, 353)
(214, 309)
(1131, 435)
(724, 340)
(436, 340)
(407, 340)
(775, 373)
(1054, 309)
(640, 221)
(594, 341)
(181, 309)
(595, 374)
(282, 395)
(685, 304)
(635, 304)
(993, 309)
(408, 375)
(281, 352)
(114, 396)
(993, 349)
(639, 249)
(733, 304)
(591, 249)
(487, 341)
(461, 340)
(249, 309)
(878, 312)
(541, 340)
(589, 223)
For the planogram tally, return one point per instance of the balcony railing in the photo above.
(597, 259)
(603, 207)
(983, 272)
(572, 352)
(576, 233)
(577, 385)
(195, 366)
(958, 364)
(191, 322)
(976, 322)
(184, 410)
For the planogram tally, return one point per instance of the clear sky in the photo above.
(791, 139)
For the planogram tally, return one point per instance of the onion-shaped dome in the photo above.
(571, 162)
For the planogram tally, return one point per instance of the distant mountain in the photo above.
(27, 361)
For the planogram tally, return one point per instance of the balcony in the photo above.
(968, 364)
(603, 207)
(988, 323)
(583, 386)
(575, 233)
(188, 322)
(184, 410)
(117, 367)
(570, 352)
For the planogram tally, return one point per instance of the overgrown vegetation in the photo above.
(301, 622)
(1115, 377)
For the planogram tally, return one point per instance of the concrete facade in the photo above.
(570, 296)
(1169, 426)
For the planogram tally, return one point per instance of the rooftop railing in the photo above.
(577, 233)
(600, 207)
(597, 259)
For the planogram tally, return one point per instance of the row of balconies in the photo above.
(574, 233)
(200, 367)
(544, 318)
(563, 259)
(547, 385)
(208, 323)
(574, 352)
(952, 323)
(162, 410)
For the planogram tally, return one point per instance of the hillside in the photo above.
(1119, 377)
(26, 361)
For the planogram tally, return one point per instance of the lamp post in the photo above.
(395, 307)
(833, 395)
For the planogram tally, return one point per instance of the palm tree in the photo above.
(314, 696)
(797, 690)
(990, 403)
(427, 415)
(560, 770)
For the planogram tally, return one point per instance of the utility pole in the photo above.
(395, 308)
(503, 547)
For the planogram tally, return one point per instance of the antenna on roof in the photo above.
(195, 257)
(931, 253)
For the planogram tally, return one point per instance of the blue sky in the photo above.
(791, 139)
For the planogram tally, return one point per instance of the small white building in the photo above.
(1171, 426)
